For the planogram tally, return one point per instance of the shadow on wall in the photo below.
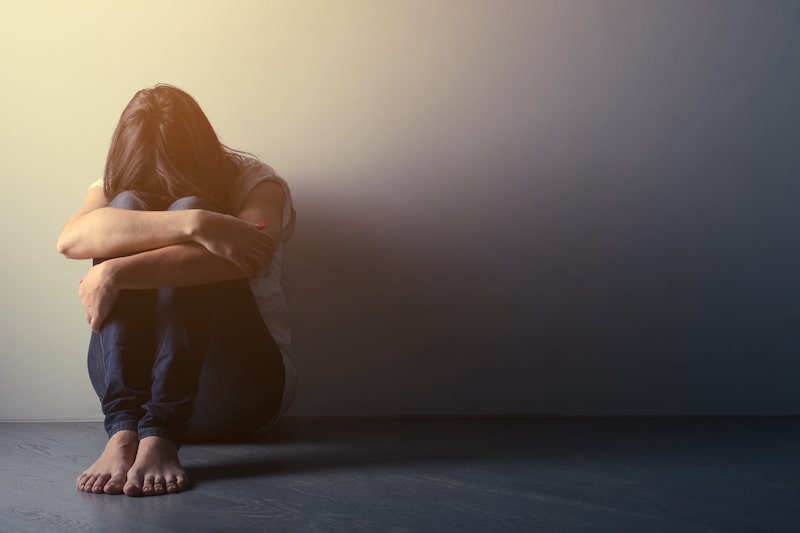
(593, 296)
(380, 327)
(615, 232)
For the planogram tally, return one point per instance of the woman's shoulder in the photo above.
(250, 171)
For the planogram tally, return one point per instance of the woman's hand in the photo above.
(98, 294)
(231, 238)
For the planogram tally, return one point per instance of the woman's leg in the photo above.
(120, 361)
(121, 354)
(242, 380)
(217, 373)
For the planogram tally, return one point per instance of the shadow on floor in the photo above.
(301, 445)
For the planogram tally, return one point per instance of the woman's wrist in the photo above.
(110, 272)
(193, 225)
(197, 224)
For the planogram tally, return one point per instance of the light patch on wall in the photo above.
(500, 168)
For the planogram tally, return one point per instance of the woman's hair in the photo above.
(165, 145)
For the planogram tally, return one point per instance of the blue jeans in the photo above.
(187, 363)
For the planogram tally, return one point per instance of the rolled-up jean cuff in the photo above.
(121, 426)
(160, 432)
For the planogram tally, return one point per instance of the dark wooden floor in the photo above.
(478, 474)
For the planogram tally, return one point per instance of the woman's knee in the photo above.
(129, 200)
(193, 202)
(139, 201)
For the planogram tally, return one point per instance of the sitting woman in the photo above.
(190, 336)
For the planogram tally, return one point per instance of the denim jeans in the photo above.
(187, 363)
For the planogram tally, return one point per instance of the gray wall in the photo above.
(504, 207)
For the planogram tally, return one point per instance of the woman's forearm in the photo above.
(111, 232)
(177, 265)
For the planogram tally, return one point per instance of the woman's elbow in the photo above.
(64, 247)
(67, 246)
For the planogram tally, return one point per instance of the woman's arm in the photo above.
(184, 264)
(97, 230)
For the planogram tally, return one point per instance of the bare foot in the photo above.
(156, 469)
(109, 472)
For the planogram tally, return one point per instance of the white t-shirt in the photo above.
(267, 287)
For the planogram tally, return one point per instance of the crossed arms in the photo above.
(152, 249)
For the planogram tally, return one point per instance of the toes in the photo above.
(133, 486)
(100, 483)
(158, 485)
(114, 485)
(88, 482)
(171, 483)
(147, 487)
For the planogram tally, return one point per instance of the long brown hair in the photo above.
(164, 144)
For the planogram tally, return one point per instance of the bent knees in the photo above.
(130, 200)
(142, 201)
(193, 202)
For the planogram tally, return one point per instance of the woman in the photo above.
(190, 336)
